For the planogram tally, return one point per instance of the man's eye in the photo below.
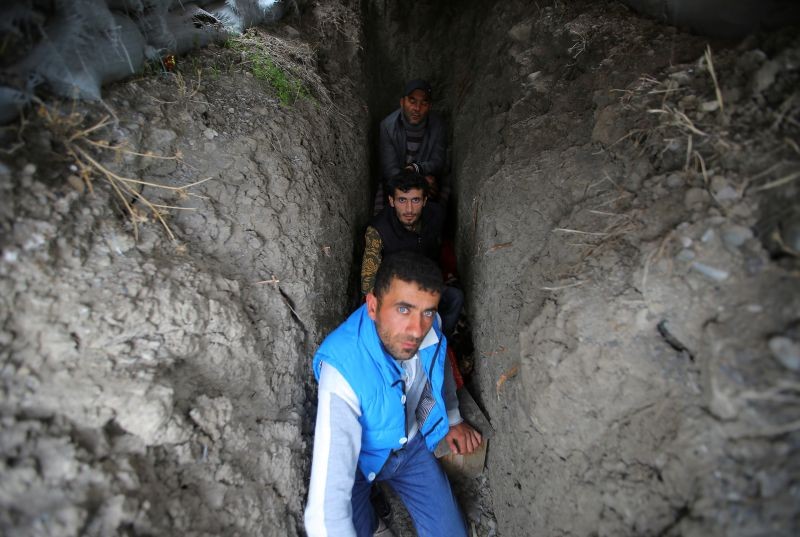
(402, 309)
(428, 313)
(416, 201)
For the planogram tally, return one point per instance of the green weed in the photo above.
(288, 87)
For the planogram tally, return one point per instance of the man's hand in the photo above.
(433, 186)
(463, 439)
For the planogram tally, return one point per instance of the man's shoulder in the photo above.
(351, 347)
(345, 334)
(433, 210)
(391, 119)
(381, 219)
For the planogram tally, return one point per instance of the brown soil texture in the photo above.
(628, 233)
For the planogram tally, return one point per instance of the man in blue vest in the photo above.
(386, 399)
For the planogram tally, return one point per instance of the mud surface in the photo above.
(628, 235)
(153, 387)
(628, 291)
(625, 235)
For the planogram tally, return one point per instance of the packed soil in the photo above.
(628, 218)
(627, 225)
(154, 386)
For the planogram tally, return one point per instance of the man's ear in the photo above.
(401, 101)
(372, 306)
(391, 201)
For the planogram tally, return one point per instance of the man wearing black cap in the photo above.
(414, 138)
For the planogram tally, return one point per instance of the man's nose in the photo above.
(416, 326)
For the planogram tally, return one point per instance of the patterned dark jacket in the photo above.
(432, 158)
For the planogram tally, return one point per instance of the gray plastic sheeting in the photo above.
(73, 47)
(722, 18)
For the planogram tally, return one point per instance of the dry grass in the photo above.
(336, 19)
(579, 232)
(654, 256)
(692, 111)
(579, 46)
(81, 143)
(620, 223)
(710, 63)
(784, 112)
(562, 287)
(679, 117)
(701, 161)
(785, 180)
(184, 91)
(785, 391)
(505, 377)
(499, 246)
(296, 59)
(615, 228)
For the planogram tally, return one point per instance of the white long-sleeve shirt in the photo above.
(337, 442)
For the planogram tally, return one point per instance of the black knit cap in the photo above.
(418, 84)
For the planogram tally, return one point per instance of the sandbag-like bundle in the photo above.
(73, 47)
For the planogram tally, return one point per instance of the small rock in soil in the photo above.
(786, 351)
(734, 236)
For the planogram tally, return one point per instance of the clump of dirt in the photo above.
(157, 386)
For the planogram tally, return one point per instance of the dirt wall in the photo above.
(628, 237)
(622, 232)
(160, 387)
(623, 299)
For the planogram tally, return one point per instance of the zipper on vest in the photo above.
(405, 421)
(433, 362)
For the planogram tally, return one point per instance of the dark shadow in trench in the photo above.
(389, 65)
(406, 40)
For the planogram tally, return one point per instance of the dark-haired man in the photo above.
(409, 222)
(386, 399)
(414, 138)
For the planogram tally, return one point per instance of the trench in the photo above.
(523, 89)
(627, 235)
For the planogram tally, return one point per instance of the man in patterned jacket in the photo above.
(409, 222)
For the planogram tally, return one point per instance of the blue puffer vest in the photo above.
(355, 350)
